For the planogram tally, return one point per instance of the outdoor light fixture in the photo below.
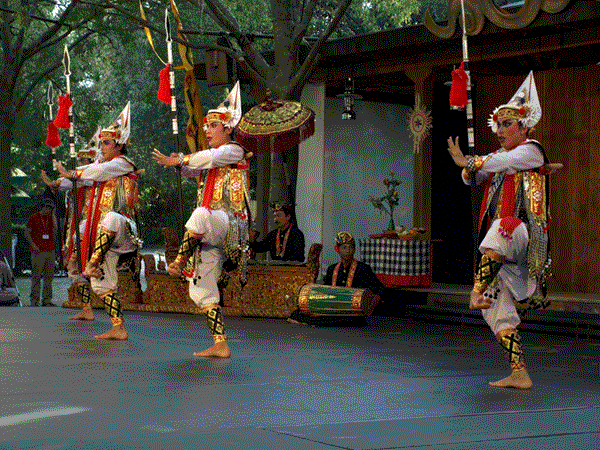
(349, 96)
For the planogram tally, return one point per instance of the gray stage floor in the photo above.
(393, 384)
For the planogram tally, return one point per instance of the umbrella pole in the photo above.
(263, 189)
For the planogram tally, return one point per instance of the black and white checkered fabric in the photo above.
(395, 256)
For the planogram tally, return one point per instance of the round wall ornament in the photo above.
(419, 123)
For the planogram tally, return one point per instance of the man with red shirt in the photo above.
(39, 232)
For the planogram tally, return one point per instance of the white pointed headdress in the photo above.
(91, 148)
(523, 106)
(120, 129)
(229, 112)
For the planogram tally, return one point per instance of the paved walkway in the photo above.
(393, 384)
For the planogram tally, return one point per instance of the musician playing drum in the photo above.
(348, 272)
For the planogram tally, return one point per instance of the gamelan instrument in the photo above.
(320, 300)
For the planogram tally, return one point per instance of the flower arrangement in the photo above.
(389, 200)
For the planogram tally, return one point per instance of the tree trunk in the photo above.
(284, 172)
(6, 123)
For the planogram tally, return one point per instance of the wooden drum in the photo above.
(320, 300)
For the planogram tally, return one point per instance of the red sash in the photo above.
(350, 273)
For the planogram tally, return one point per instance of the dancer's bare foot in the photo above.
(117, 334)
(174, 269)
(478, 301)
(519, 379)
(84, 314)
(219, 350)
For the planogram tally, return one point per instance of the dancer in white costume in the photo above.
(110, 232)
(217, 231)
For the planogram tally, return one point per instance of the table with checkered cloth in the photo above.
(398, 262)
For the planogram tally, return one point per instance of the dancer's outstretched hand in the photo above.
(456, 152)
(164, 160)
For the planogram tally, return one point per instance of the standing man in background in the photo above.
(39, 232)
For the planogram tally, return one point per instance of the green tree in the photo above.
(364, 17)
(291, 56)
(277, 40)
(29, 32)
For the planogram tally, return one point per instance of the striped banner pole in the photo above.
(470, 136)
(73, 155)
(50, 102)
(174, 118)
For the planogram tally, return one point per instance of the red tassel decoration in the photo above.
(458, 91)
(62, 115)
(164, 88)
(52, 138)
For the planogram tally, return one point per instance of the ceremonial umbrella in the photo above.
(18, 197)
(17, 176)
(275, 126)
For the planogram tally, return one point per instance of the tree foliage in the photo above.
(30, 31)
(112, 63)
(364, 17)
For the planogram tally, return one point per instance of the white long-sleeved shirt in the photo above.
(230, 153)
(104, 171)
(525, 156)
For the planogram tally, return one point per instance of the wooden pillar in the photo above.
(263, 178)
(422, 160)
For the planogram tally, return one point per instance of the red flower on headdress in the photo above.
(205, 120)
(522, 111)
(222, 116)
(495, 117)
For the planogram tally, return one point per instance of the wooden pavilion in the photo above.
(559, 40)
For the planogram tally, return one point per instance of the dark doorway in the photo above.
(451, 216)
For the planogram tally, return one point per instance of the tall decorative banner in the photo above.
(52, 136)
(72, 152)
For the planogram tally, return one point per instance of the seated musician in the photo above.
(348, 272)
(286, 242)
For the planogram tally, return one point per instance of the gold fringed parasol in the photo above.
(275, 126)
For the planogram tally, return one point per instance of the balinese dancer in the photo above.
(217, 231)
(110, 236)
(85, 195)
(513, 225)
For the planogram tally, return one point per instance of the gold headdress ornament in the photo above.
(120, 129)
(91, 148)
(229, 112)
(343, 237)
(285, 207)
(524, 106)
